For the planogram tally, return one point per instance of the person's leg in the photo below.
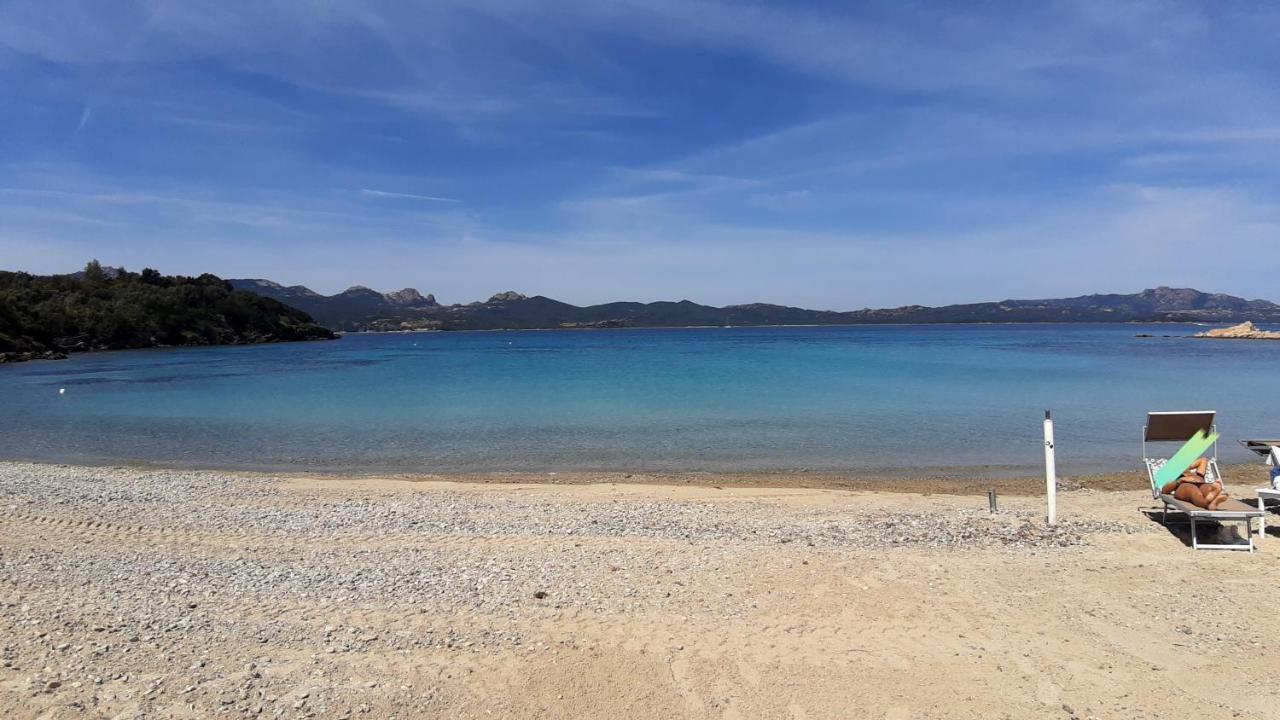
(1209, 492)
(1188, 492)
(1219, 500)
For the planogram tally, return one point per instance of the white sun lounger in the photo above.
(1271, 492)
(1174, 429)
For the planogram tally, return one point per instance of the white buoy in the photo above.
(62, 391)
(1050, 469)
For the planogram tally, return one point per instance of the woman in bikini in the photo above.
(1195, 487)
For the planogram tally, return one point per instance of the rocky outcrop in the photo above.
(410, 297)
(1243, 331)
(508, 296)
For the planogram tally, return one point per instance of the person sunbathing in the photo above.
(1195, 487)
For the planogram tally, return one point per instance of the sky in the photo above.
(823, 154)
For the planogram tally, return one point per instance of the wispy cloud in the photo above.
(84, 118)
(368, 192)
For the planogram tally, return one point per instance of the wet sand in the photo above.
(959, 481)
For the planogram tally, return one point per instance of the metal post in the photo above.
(1050, 469)
(991, 500)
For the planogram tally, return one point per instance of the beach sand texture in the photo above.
(160, 593)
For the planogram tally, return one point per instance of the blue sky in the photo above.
(834, 155)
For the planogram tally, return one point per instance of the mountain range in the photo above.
(362, 309)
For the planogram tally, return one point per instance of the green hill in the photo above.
(111, 309)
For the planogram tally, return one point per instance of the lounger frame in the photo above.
(1265, 495)
(1193, 513)
(1239, 512)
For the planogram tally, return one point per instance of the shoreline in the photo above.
(1194, 323)
(948, 481)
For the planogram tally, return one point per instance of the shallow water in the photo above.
(879, 398)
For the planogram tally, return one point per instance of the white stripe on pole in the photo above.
(1050, 469)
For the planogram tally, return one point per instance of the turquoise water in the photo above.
(893, 398)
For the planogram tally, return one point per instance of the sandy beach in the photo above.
(161, 593)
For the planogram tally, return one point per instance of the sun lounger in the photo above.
(1175, 428)
(1272, 492)
(1261, 447)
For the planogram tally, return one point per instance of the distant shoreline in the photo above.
(361, 308)
(784, 325)
(11, 359)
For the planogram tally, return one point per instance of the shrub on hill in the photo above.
(98, 310)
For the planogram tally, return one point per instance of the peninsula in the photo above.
(46, 317)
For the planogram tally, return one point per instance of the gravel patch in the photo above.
(223, 503)
(120, 587)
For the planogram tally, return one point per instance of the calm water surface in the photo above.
(898, 398)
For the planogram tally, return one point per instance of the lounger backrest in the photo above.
(1153, 467)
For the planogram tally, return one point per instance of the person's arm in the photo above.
(1198, 473)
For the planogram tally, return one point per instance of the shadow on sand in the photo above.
(1210, 532)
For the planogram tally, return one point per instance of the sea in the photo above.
(918, 399)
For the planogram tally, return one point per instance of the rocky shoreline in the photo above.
(63, 354)
(12, 357)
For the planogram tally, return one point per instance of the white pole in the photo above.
(1050, 469)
